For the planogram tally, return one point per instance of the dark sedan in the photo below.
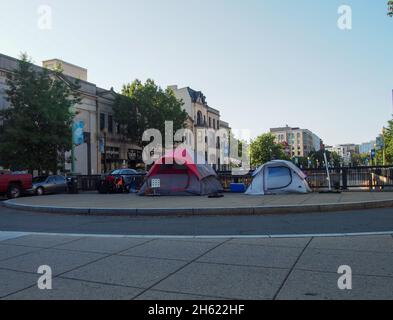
(49, 185)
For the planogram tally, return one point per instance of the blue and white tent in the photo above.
(277, 177)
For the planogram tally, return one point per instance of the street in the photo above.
(360, 221)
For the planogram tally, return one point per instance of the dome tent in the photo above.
(179, 175)
(277, 177)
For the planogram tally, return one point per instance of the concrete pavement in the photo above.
(231, 204)
(191, 269)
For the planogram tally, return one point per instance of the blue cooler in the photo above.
(238, 187)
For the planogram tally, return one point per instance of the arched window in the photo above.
(199, 118)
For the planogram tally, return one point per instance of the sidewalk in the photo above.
(131, 204)
(143, 268)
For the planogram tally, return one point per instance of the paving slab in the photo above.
(13, 281)
(363, 243)
(40, 241)
(65, 289)
(102, 245)
(311, 285)
(9, 251)
(247, 268)
(361, 262)
(127, 271)
(250, 255)
(165, 249)
(273, 242)
(59, 260)
(225, 281)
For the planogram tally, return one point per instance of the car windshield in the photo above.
(116, 172)
(129, 172)
(39, 179)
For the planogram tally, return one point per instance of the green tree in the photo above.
(318, 158)
(264, 149)
(390, 8)
(388, 139)
(301, 162)
(147, 106)
(37, 128)
(365, 159)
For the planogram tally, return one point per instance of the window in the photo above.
(214, 123)
(102, 121)
(278, 178)
(129, 172)
(51, 180)
(199, 118)
(110, 124)
(210, 122)
(60, 179)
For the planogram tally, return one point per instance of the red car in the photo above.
(14, 185)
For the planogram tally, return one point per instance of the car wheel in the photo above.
(14, 191)
(40, 191)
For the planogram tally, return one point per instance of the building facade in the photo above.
(103, 149)
(345, 151)
(300, 142)
(205, 124)
(366, 147)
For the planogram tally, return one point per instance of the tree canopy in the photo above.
(318, 160)
(388, 140)
(264, 149)
(147, 106)
(37, 127)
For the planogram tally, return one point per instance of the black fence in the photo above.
(346, 178)
(91, 182)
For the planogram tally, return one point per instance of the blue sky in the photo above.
(263, 63)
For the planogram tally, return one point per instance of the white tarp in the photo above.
(276, 177)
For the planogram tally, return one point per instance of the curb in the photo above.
(187, 212)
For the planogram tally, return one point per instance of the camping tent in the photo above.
(179, 175)
(277, 177)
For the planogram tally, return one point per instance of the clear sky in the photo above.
(263, 63)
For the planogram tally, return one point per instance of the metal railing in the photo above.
(345, 178)
(371, 178)
(91, 182)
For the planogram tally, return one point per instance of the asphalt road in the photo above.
(362, 221)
